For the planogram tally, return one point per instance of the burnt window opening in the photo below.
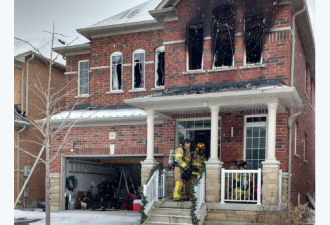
(116, 71)
(139, 71)
(223, 36)
(160, 66)
(195, 36)
(253, 38)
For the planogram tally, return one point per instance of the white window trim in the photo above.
(224, 67)
(255, 124)
(144, 71)
(117, 53)
(78, 80)
(160, 48)
(260, 64)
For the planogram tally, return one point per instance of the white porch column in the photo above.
(271, 130)
(150, 135)
(214, 134)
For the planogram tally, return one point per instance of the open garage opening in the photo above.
(103, 183)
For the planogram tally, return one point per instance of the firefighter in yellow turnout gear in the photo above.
(182, 158)
(198, 158)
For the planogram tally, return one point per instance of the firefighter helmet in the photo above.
(201, 145)
(200, 148)
(240, 162)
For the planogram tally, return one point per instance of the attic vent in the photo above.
(223, 35)
(195, 35)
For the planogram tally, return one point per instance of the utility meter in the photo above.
(27, 170)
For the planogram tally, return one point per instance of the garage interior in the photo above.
(103, 183)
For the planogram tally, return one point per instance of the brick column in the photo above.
(212, 181)
(54, 192)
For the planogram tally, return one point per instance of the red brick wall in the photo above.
(31, 138)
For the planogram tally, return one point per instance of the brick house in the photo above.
(236, 75)
(29, 68)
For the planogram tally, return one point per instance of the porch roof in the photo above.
(103, 117)
(247, 96)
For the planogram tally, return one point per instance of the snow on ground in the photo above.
(85, 217)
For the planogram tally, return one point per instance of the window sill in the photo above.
(82, 96)
(138, 90)
(157, 88)
(193, 72)
(222, 69)
(115, 92)
(298, 156)
(251, 66)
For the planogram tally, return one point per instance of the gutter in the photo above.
(291, 111)
(22, 86)
(27, 85)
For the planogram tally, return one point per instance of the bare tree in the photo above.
(50, 99)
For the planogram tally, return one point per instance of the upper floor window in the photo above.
(139, 69)
(160, 67)
(116, 71)
(253, 38)
(83, 77)
(223, 36)
(195, 40)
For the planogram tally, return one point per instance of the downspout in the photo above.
(291, 112)
(18, 133)
(27, 85)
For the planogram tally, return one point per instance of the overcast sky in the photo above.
(32, 17)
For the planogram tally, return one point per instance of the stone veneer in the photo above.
(270, 186)
(54, 192)
(212, 181)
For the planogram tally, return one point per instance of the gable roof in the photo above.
(40, 47)
(131, 20)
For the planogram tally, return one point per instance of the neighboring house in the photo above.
(30, 69)
(236, 75)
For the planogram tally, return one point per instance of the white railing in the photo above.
(280, 187)
(162, 185)
(200, 195)
(151, 190)
(241, 186)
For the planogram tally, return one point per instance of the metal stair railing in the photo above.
(151, 190)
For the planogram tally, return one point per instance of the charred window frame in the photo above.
(223, 36)
(160, 66)
(83, 77)
(195, 41)
(138, 69)
(116, 61)
(254, 28)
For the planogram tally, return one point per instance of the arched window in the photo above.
(160, 66)
(138, 69)
(116, 61)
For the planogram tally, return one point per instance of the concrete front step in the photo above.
(164, 223)
(171, 204)
(172, 219)
(173, 211)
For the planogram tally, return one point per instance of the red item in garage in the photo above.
(136, 205)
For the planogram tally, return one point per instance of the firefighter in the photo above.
(198, 158)
(181, 168)
(242, 182)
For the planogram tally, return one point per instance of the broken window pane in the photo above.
(116, 71)
(253, 38)
(139, 57)
(223, 36)
(195, 36)
(83, 78)
(160, 66)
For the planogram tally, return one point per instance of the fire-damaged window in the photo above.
(138, 69)
(160, 67)
(116, 71)
(195, 36)
(254, 38)
(223, 36)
